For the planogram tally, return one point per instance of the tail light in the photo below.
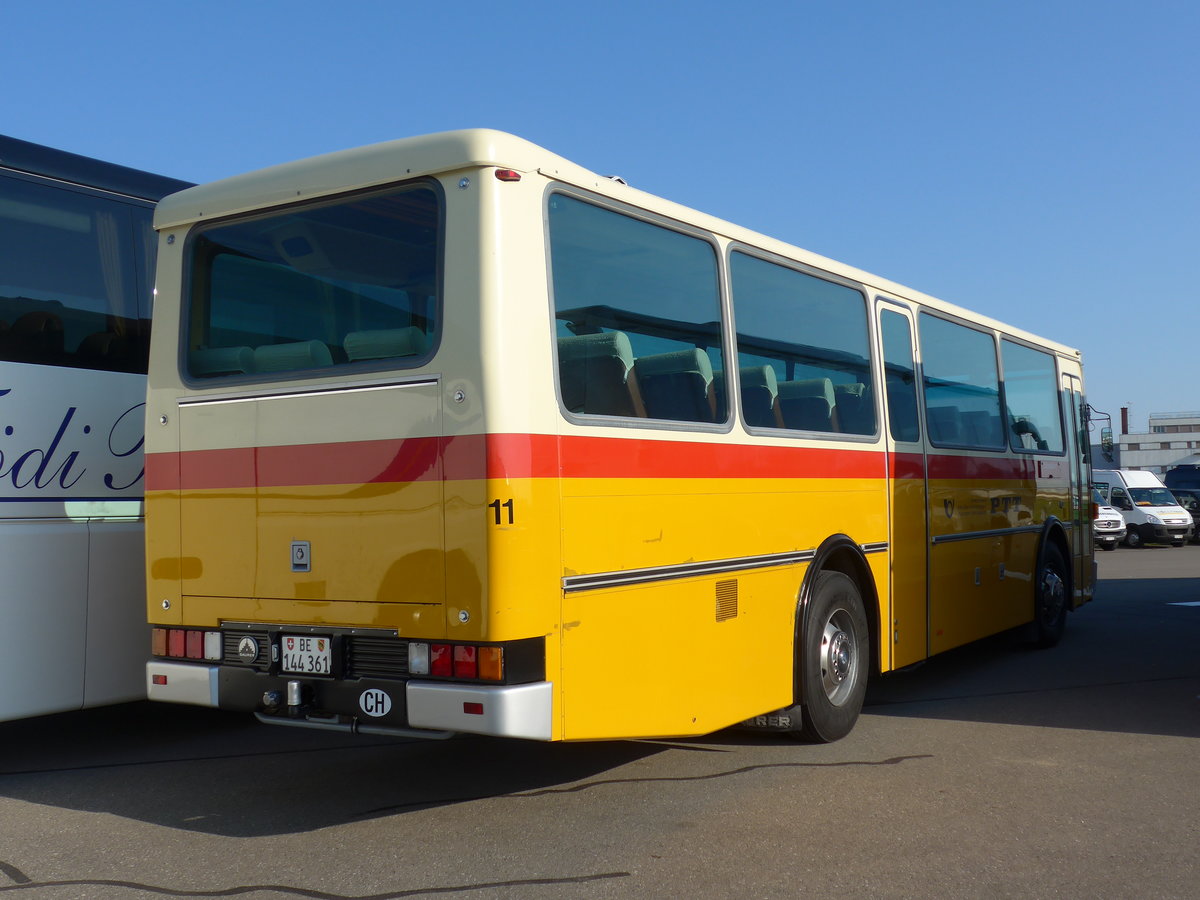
(186, 643)
(474, 662)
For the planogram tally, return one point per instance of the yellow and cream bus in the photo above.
(449, 434)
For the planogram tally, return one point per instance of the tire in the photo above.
(1051, 587)
(833, 658)
(1133, 538)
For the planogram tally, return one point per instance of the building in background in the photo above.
(1173, 440)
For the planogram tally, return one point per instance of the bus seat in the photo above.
(212, 361)
(384, 343)
(902, 407)
(945, 424)
(293, 355)
(678, 386)
(808, 405)
(760, 397)
(981, 428)
(38, 337)
(594, 375)
(721, 395)
(855, 408)
(105, 349)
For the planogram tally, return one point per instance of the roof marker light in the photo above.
(508, 175)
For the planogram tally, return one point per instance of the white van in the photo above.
(1108, 525)
(1150, 510)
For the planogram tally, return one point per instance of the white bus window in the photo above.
(1031, 394)
(638, 317)
(69, 288)
(962, 385)
(330, 285)
(802, 350)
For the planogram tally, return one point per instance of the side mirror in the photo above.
(1106, 440)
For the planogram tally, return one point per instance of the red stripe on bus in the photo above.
(472, 457)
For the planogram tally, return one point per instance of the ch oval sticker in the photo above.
(375, 703)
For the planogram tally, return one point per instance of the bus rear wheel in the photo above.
(834, 655)
(1050, 601)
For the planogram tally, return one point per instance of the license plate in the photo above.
(305, 654)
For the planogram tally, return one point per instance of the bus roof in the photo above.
(385, 163)
(35, 159)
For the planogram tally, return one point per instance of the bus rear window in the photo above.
(345, 283)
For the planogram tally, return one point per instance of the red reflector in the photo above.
(195, 645)
(158, 642)
(464, 663)
(159, 679)
(508, 175)
(440, 660)
(176, 642)
(473, 709)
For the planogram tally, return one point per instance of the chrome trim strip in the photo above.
(344, 387)
(879, 547)
(573, 583)
(994, 532)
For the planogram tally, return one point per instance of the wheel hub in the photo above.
(1054, 594)
(839, 657)
(837, 661)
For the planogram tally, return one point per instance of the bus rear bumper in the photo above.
(518, 710)
(182, 683)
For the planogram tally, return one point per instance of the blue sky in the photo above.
(1035, 161)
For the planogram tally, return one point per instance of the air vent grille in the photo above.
(727, 600)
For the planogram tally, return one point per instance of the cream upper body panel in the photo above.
(454, 151)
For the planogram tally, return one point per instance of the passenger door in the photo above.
(1080, 512)
(907, 487)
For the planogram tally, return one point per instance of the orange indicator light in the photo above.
(491, 663)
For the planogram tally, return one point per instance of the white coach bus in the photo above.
(76, 278)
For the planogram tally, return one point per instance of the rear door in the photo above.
(332, 495)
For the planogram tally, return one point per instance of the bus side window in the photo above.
(1032, 397)
(899, 375)
(962, 385)
(813, 333)
(656, 287)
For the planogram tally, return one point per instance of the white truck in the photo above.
(1151, 512)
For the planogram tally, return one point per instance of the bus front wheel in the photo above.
(833, 658)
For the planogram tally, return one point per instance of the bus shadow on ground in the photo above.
(1128, 663)
(224, 774)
